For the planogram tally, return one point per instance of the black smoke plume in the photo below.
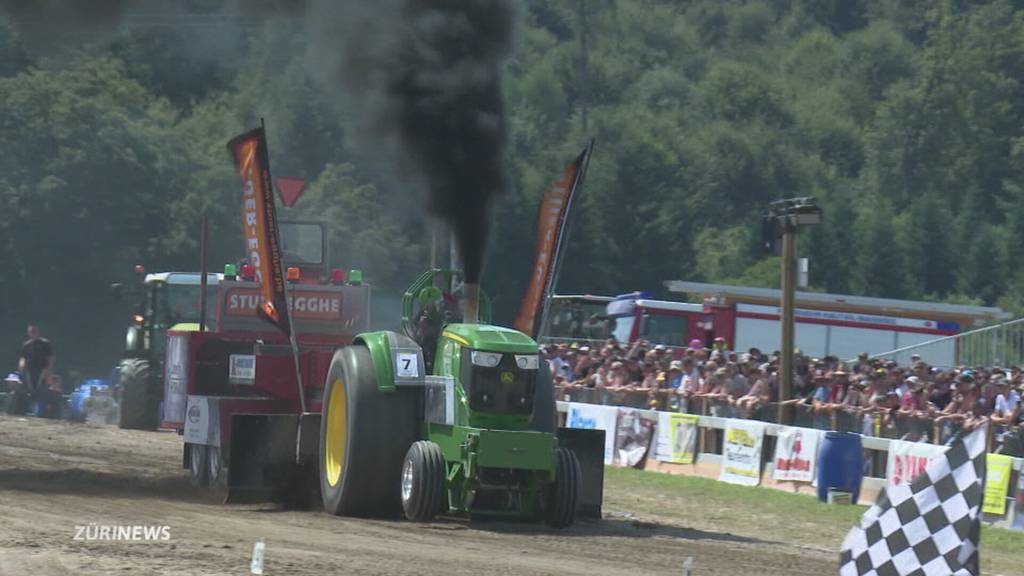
(424, 76)
(426, 81)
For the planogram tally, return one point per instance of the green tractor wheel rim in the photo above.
(334, 449)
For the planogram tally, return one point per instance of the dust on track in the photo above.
(55, 476)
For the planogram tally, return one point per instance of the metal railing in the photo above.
(915, 427)
(997, 345)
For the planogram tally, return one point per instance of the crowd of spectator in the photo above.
(871, 395)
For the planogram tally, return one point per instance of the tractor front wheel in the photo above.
(563, 494)
(423, 482)
(364, 434)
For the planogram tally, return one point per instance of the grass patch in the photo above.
(764, 512)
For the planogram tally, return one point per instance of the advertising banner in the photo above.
(634, 431)
(592, 416)
(908, 459)
(998, 468)
(1018, 504)
(259, 224)
(796, 450)
(677, 438)
(741, 454)
(552, 215)
(314, 305)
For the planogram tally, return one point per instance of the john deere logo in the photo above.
(507, 377)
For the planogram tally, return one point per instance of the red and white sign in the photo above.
(303, 304)
(908, 459)
(796, 451)
(289, 189)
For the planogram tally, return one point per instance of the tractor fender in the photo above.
(397, 359)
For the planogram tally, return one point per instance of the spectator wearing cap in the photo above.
(18, 400)
(878, 383)
(692, 382)
(759, 394)
(618, 377)
(1007, 401)
(556, 363)
(890, 407)
(660, 351)
(674, 375)
(913, 400)
(714, 384)
(840, 384)
(963, 401)
(720, 345)
(568, 368)
(822, 382)
(736, 383)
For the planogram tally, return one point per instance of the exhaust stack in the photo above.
(471, 303)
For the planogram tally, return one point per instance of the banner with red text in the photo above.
(908, 459)
(796, 450)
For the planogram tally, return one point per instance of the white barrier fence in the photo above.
(745, 450)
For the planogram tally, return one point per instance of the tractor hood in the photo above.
(491, 338)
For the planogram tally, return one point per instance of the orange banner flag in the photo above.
(259, 224)
(551, 219)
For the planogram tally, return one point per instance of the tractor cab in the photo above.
(164, 300)
(434, 302)
(303, 250)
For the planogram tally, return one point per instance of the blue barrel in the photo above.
(840, 464)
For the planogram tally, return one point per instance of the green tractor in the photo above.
(454, 416)
(162, 300)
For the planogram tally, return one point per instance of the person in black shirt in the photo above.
(36, 361)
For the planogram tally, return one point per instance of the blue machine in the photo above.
(79, 395)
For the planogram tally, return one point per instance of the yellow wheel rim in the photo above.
(334, 449)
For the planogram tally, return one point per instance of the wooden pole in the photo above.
(788, 297)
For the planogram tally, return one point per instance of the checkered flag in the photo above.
(931, 527)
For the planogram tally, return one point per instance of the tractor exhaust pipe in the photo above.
(471, 303)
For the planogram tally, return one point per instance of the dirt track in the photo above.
(55, 476)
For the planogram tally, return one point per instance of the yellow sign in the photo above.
(738, 436)
(684, 435)
(997, 483)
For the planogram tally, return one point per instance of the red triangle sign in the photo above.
(289, 190)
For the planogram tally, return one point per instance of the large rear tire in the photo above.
(364, 434)
(562, 497)
(138, 396)
(424, 493)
